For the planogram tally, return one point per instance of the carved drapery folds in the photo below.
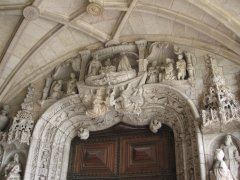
(22, 126)
(219, 104)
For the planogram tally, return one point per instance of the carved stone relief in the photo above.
(100, 108)
(13, 169)
(220, 108)
(22, 126)
(226, 161)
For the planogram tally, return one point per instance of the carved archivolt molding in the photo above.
(49, 150)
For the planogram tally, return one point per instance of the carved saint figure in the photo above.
(155, 125)
(83, 133)
(94, 67)
(71, 84)
(169, 70)
(181, 67)
(13, 169)
(124, 64)
(99, 105)
(153, 73)
(232, 157)
(57, 89)
(220, 168)
(47, 87)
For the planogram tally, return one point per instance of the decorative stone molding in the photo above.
(31, 13)
(220, 108)
(49, 150)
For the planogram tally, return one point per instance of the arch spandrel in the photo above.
(61, 122)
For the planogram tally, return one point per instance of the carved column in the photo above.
(142, 63)
(85, 56)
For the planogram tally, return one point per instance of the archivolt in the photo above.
(50, 147)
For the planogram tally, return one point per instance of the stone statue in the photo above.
(232, 157)
(169, 70)
(153, 73)
(108, 67)
(155, 125)
(190, 68)
(99, 105)
(71, 85)
(13, 169)
(83, 133)
(4, 117)
(57, 89)
(47, 87)
(220, 168)
(94, 67)
(124, 64)
(181, 67)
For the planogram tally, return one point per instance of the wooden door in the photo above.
(124, 153)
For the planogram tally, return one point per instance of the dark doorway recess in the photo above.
(124, 152)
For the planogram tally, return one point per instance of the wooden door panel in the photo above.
(98, 159)
(127, 154)
(145, 155)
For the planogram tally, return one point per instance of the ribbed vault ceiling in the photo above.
(29, 49)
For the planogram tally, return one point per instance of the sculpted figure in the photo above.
(13, 169)
(124, 64)
(99, 105)
(169, 70)
(153, 73)
(232, 157)
(220, 168)
(155, 125)
(47, 87)
(57, 90)
(108, 67)
(190, 68)
(181, 67)
(94, 67)
(3, 117)
(83, 133)
(71, 85)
